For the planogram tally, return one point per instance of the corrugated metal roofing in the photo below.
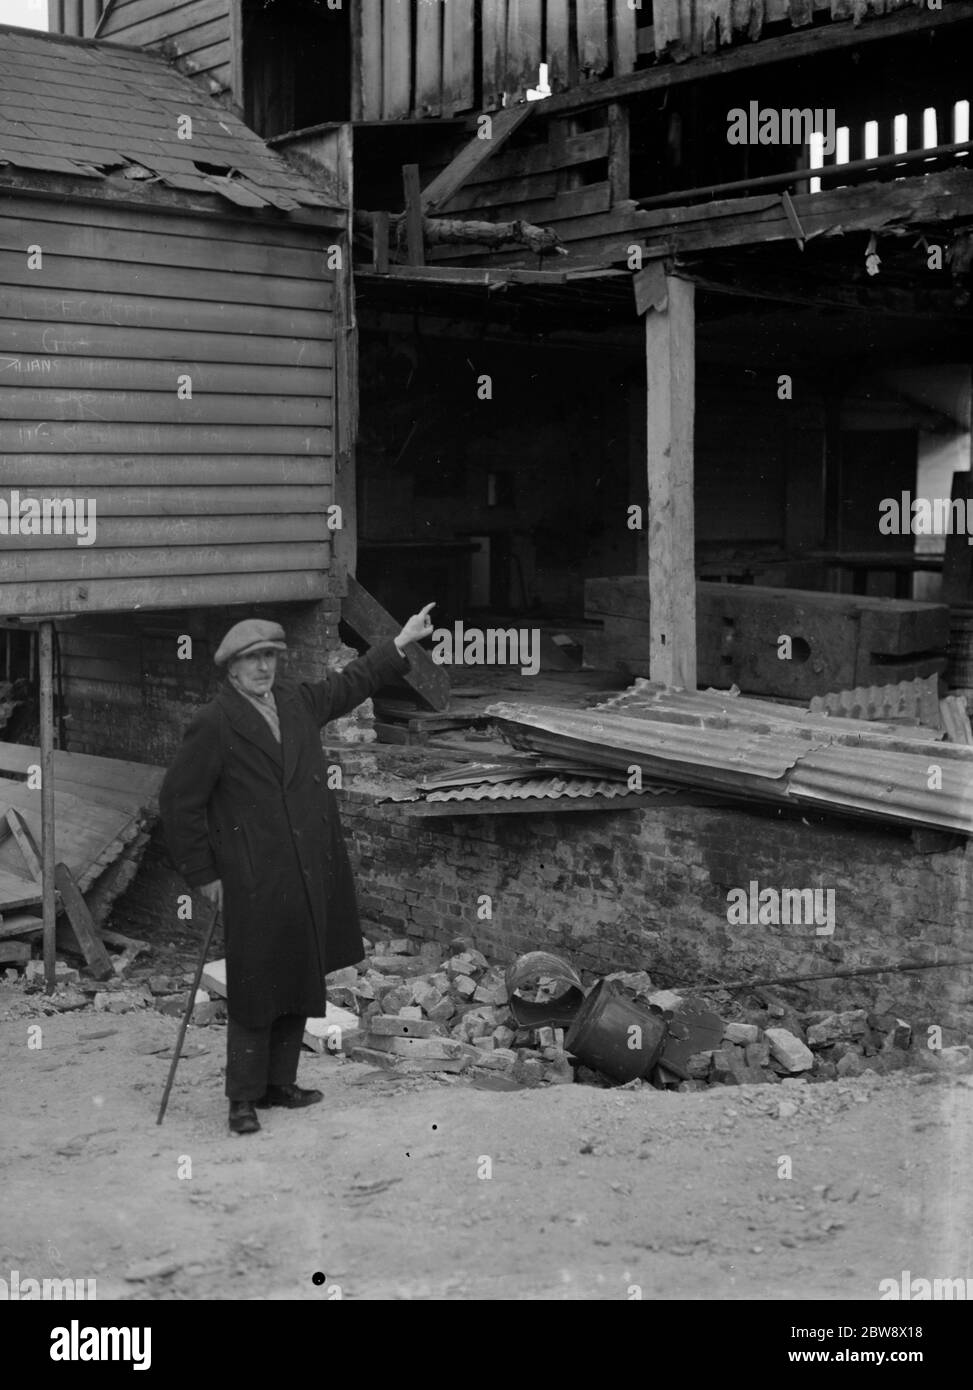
(702, 707)
(916, 700)
(605, 738)
(549, 788)
(87, 108)
(885, 779)
(889, 786)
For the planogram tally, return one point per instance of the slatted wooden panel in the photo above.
(460, 55)
(76, 18)
(198, 30)
(217, 498)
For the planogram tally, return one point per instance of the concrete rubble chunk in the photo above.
(410, 1011)
(402, 946)
(789, 1051)
(741, 1033)
(666, 999)
(425, 995)
(464, 986)
(342, 979)
(699, 1065)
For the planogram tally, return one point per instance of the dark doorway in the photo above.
(296, 64)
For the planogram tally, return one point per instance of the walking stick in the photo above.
(188, 1014)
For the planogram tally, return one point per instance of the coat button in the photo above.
(317, 777)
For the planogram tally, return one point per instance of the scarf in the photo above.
(266, 704)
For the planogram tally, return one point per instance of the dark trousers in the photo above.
(260, 1057)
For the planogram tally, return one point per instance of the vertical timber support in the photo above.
(670, 361)
(344, 551)
(46, 663)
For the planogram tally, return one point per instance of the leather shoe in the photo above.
(243, 1117)
(291, 1096)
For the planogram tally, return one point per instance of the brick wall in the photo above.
(614, 890)
(129, 695)
(647, 889)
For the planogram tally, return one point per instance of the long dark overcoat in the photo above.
(259, 815)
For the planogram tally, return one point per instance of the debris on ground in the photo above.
(412, 1008)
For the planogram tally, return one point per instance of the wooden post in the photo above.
(619, 157)
(46, 654)
(670, 405)
(345, 540)
(413, 215)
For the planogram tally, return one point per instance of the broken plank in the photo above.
(25, 841)
(76, 908)
(366, 616)
(502, 125)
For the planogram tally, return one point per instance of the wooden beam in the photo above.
(25, 841)
(236, 52)
(415, 248)
(380, 242)
(810, 43)
(670, 405)
(619, 156)
(48, 893)
(366, 616)
(92, 946)
(451, 179)
(345, 547)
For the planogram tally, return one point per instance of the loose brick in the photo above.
(741, 1033)
(403, 1027)
(790, 1052)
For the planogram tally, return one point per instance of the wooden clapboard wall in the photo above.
(216, 499)
(443, 57)
(198, 31)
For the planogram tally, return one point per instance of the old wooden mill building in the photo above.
(571, 313)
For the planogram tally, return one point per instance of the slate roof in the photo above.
(95, 109)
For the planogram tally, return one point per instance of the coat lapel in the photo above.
(289, 729)
(250, 723)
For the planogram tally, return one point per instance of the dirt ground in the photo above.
(428, 1188)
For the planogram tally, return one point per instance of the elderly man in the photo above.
(252, 824)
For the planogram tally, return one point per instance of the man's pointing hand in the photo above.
(417, 627)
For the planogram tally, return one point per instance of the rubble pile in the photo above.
(422, 1008)
(421, 1012)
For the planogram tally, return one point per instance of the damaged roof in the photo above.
(91, 110)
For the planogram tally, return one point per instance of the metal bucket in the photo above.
(614, 1035)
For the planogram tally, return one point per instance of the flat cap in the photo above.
(248, 636)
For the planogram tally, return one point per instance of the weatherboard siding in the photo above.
(218, 498)
(198, 31)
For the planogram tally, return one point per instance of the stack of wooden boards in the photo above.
(103, 810)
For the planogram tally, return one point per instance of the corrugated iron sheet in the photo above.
(84, 110)
(887, 781)
(916, 700)
(702, 707)
(889, 786)
(543, 788)
(606, 738)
